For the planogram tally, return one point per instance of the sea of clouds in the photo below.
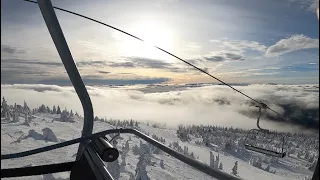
(180, 104)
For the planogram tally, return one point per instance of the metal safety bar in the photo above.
(60, 42)
(191, 162)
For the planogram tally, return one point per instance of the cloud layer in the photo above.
(292, 43)
(212, 104)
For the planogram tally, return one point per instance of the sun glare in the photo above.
(154, 33)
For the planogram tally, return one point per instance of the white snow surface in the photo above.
(288, 168)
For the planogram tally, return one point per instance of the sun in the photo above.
(153, 33)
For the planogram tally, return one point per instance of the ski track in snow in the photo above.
(174, 169)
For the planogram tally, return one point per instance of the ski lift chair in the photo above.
(253, 132)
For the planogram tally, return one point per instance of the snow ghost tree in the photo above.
(136, 150)
(5, 109)
(71, 113)
(114, 169)
(221, 166)
(126, 146)
(216, 162)
(26, 109)
(161, 164)
(58, 110)
(235, 169)
(211, 160)
(313, 166)
(54, 110)
(123, 157)
(268, 168)
(141, 171)
(26, 121)
(15, 116)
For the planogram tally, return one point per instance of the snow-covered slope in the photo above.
(18, 136)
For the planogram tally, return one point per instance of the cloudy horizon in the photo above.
(172, 105)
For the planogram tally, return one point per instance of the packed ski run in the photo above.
(222, 148)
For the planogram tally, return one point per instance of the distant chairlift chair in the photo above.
(251, 147)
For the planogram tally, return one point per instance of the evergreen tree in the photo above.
(54, 110)
(221, 166)
(307, 155)
(48, 110)
(313, 166)
(126, 147)
(216, 162)
(268, 168)
(211, 160)
(15, 117)
(58, 110)
(26, 121)
(71, 113)
(4, 103)
(141, 172)
(123, 157)
(5, 109)
(161, 164)
(235, 169)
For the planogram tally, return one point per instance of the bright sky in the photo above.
(243, 41)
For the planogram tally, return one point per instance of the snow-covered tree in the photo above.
(211, 159)
(126, 146)
(313, 166)
(311, 159)
(161, 164)
(221, 166)
(234, 170)
(71, 113)
(64, 116)
(136, 150)
(123, 157)
(141, 171)
(4, 102)
(307, 155)
(58, 110)
(54, 110)
(48, 110)
(268, 168)
(26, 109)
(15, 117)
(192, 155)
(26, 120)
(216, 162)
(42, 109)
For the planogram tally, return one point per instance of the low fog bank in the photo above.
(173, 105)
